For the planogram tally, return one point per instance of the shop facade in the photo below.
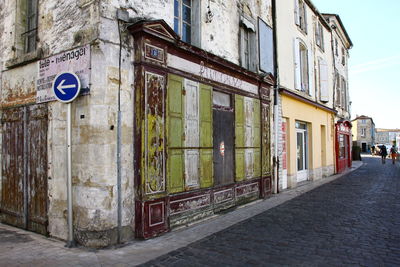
(343, 145)
(201, 131)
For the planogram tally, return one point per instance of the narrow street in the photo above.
(352, 221)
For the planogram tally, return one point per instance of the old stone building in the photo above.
(172, 124)
(364, 132)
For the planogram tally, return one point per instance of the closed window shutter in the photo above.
(242, 48)
(239, 138)
(297, 71)
(296, 13)
(175, 134)
(206, 136)
(310, 58)
(323, 79)
(253, 51)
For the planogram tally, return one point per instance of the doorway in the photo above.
(364, 147)
(223, 138)
(302, 151)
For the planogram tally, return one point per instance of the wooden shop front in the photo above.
(202, 132)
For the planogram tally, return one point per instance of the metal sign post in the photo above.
(66, 87)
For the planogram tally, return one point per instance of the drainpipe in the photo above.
(276, 99)
(119, 130)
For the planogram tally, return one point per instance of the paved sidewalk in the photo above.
(22, 248)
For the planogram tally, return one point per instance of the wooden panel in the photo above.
(257, 162)
(12, 197)
(266, 147)
(154, 134)
(256, 123)
(24, 201)
(248, 122)
(206, 118)
(175, 179)
(249, 162)
(175, 111)
(191, 114)
(192, 159)
(37, 168)
(206, 170)
(239, 121)
(240, 165)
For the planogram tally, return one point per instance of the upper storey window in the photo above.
(187, 20)
(183, 19)
(319, 36)
(300, 15)
(30, 35)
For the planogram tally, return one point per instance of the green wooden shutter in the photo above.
(256, 124)
(175, 134)
(206, 168)
(206, 136)
(240, 164)
(239, 121)
(257, 162)
(175, 179)
(175, 116)
(206, 123)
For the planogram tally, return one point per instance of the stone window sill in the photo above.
(24, 59)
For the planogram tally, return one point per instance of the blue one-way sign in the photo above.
(66, 87)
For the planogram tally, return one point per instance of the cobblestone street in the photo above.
(352, 220)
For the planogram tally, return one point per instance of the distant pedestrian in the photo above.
(372, 150)
(383, 153)
(393, 153)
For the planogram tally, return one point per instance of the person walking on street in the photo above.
(393, 153)
(383, 153)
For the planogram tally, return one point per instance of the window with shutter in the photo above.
(323, 80)
(248, 45)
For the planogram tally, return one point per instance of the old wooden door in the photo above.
(24, 168)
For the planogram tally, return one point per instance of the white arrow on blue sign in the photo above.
(66, 87)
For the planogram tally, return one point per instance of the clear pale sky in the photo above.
(374, 65)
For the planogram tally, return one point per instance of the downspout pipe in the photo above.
(276, 101)
(119, 130)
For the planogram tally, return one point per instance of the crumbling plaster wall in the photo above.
(94, 129)
(64, 26)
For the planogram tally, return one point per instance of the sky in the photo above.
(374, 64)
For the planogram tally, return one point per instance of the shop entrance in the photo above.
(223, 139)
(302, 153)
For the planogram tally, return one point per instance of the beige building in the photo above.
(363, 132)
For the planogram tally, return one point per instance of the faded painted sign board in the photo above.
(76, 60)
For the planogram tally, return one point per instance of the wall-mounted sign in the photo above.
(76, 61)
(66, 87)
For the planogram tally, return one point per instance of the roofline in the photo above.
(320, 15)
(341, 25)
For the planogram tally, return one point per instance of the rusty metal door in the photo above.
(24, 168)
(223, 136)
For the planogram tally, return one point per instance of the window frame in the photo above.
(178, 17)
(304, 68)
(248, 44)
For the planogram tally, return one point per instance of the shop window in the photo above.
(300, 15)
(187, 20)
(248, 48)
